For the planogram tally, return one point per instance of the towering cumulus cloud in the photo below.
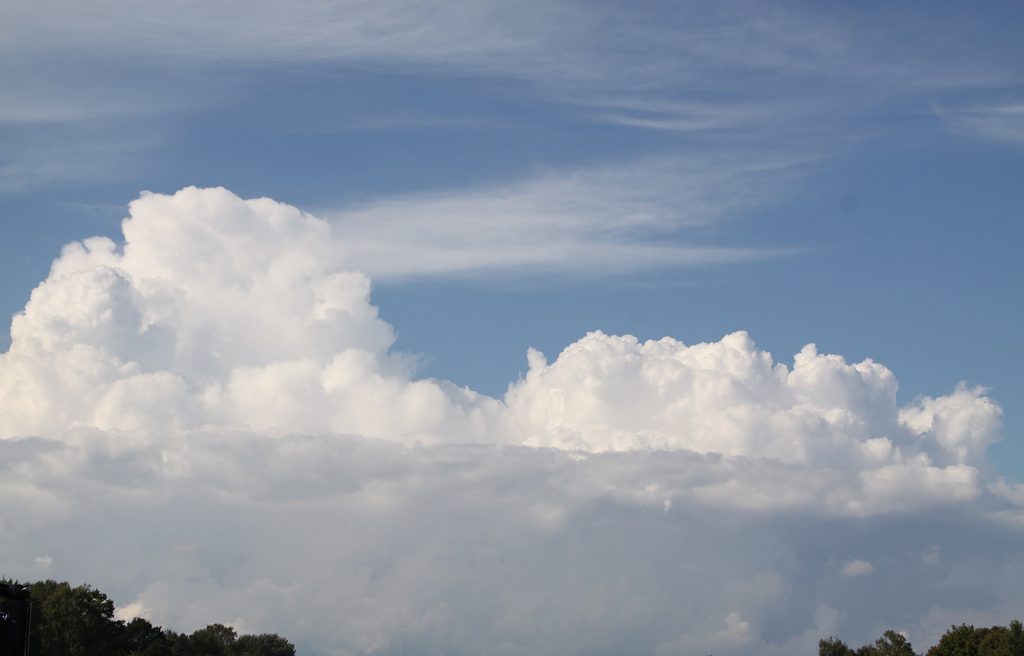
(210, 422)
(216, 312)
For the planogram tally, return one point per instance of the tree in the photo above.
(143, 639)
(890, 644)
(962, 640)
(1002, 641)
(213, 640)
(966, 640)
(265, 644)
(833, 646)
(79, 621)
(1016, 638)
(220, 640)
(69, 621)
(15, 609)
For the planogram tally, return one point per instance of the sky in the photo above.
(516, 328)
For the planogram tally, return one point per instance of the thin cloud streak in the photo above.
(738, 74)
(47, 155)
(996, 122)
(572, 52)
(651, 214)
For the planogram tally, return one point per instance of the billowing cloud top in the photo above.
(216, 312)
(225, 352)
(220, 312)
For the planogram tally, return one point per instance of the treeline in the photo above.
(963, 640)
(79, 621)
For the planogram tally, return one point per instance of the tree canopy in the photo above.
(79, 620)
(962, 640)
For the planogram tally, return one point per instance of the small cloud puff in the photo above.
(856, 567)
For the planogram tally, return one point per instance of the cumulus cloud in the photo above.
(729, 397)
(210, 422)
(963, 423)
(216, 311)
(856, 568)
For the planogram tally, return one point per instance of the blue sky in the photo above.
(217, 386)
(880, 218)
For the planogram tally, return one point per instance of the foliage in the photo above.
(966, 640)
(69, 621)
(265, 644)
(79, 621)
(890, 644)
(833, 646)
(963, 640)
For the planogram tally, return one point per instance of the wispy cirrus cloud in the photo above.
(742, 73)
(737, 57)
(643, 215)
(47, 154)
(996, 122)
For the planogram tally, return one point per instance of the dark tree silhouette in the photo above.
(79, 621)
(962, 640)
(833, 646)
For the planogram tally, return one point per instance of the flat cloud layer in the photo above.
(210, 423)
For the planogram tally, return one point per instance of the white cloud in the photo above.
(128, 612)
(193, 423)
(351, 545)
(626, 218)
(222, 312)
(609, 392)
(729, 397)
(963, 423)
(856, 567)
(216, 311)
